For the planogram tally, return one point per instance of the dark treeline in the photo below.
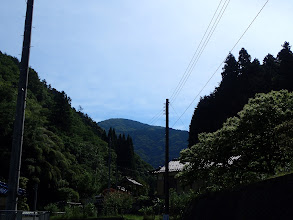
(241, 80)
(127, 163)
(65, 152)
(149, 141)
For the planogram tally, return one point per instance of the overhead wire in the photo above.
(177, 114)
(221, 62)
(203, 43)
(201, 47)
(191, 61)
(156, 117)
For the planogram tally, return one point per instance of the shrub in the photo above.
(51, 208)
(178, 203)
(147, 211)
(90, 210)
(75, 212)
(117, 202)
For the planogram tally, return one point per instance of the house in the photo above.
(131, 186)
(174, 168)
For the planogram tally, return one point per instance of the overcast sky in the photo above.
(124, 58)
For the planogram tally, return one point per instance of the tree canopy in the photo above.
(255, 144)
(64, 150)
(241, 80)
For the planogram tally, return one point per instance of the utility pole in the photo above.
(35, 200)
(109, 162)
(15, 160)
(166, 179)
(35, 196)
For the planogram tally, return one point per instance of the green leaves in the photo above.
(62, 149)
(116, 202)
(252, 146)
(241, 80)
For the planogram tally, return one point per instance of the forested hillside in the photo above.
(242, 132)
(64, 151)
(241, 80)
(149, 141)
(254, 145)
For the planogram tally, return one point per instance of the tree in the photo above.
(285, 60)
(62, 150)
(257, 128)
(254, 145)
(271, 68)
(241, 80)
(230, 69)
(61, 111)
(125, 154)
(243, 60)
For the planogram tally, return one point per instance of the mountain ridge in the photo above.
(148, 140)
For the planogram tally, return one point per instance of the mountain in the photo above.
(64, 151)
(149, 141)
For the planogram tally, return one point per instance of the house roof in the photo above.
(134, 181)
(174, 166)
(4, 189)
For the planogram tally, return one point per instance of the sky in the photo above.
(124, 58)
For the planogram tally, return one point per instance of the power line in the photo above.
(222, 62)
(204, 41)
(191, 61)
(156, 117)
(177, 115)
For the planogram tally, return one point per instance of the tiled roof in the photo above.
(133, 181)
(174, 166)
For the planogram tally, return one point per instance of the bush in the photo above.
(75, 212)
(158, 206)
(117, 203)
(22, 204)
(51, 208)
(90, 210)
(147, 211)
(68, 194)
(178, 203)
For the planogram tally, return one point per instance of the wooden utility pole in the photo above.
(109, 162)
(166, 179)
(15, 160)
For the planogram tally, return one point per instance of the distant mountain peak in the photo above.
(148, 140)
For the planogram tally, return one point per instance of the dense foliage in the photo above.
(149, 141)
(117, 203)
(241, 80)
(129, 163)
(64, 151)
(254, 145)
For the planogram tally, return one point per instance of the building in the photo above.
(174, 168)
(130, 186)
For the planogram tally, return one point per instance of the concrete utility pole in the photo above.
(166, 179)
(15, 160)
